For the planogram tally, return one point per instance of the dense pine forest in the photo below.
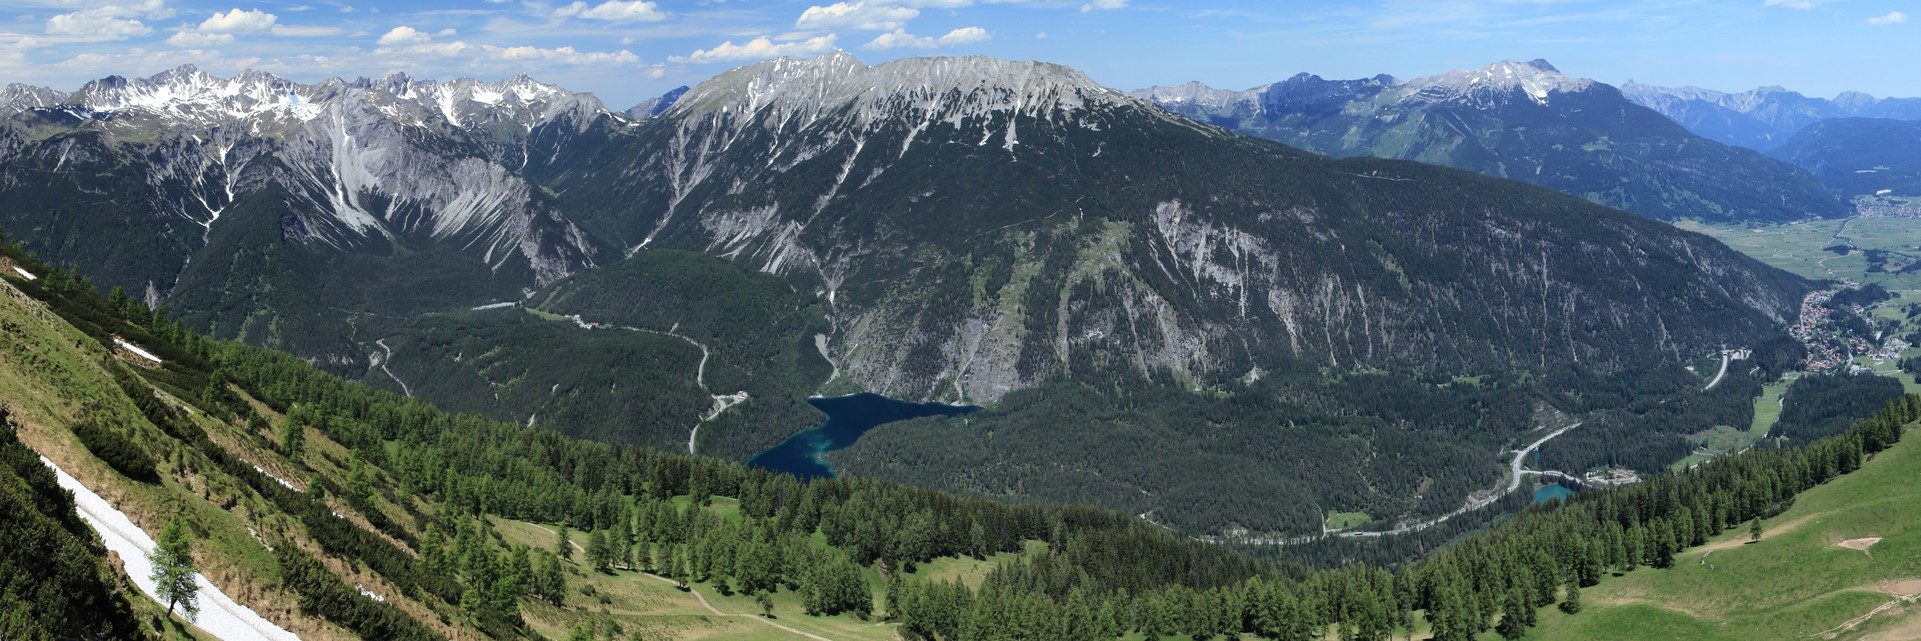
(1102, 573)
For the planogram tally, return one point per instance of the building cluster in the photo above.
(1881, 205)
(1828, 347)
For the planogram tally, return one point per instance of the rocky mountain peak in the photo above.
(1498, 82)
(944, 89)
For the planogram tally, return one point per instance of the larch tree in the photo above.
(173, 571)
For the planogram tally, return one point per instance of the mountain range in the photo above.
(955, 229)
(1764, 118)
(1524, 121)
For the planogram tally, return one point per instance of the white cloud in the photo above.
(965, 35)
(521, 54)
(1893, 17)
(1122, 4)
(102, 23)
(759, 49)
(237, 21)
(403, 35)
(115, 21)
(190, 39)
(1790, 4)
(900, 38)
(305, 31)
(566, 55)
(614, 11)
(860, 15)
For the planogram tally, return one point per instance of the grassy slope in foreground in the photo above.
(1797, 582)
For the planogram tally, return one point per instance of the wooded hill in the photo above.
(397, 488)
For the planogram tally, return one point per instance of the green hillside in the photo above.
(1798, 581)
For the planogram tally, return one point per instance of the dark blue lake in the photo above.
(848, 417)
(1552, 492)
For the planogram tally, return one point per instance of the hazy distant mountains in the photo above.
(1859, 156)
(1525, 121)
(1763, 118)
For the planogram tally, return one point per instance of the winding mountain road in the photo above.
(382, 342)
(1480, 499)
(1725, 356)
(721, 401)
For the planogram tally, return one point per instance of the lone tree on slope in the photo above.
(173, 571)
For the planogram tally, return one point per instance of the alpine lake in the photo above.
(848, 417)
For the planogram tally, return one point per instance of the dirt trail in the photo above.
(710, 608)
(1768, 533)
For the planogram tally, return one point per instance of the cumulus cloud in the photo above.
(220, 29)
(1098, 5)
(238, 22)
(613, 11)
(900, 38)
(114, 21)
(403, 35)
(1893, 17)
(96, 24)
(759, 49)
(861, 16)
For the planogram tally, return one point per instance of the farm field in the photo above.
(1801, 247)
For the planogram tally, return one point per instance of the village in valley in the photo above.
(1839, 326)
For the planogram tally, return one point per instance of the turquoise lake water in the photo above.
(848, 417)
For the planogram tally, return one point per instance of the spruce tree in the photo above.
(173, 571)
(293, 439)
(1514, 616)
(1571, 602)
(563, 545)
(600, 551)
(1754, 530)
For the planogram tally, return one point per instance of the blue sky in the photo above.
(628, 50)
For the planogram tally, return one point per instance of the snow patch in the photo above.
(135, 349)
(220, 616)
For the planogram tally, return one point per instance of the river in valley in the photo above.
(848, 417)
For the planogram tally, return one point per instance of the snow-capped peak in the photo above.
(946, 89)
(17, 97)
(1535, 79)
(187, 93)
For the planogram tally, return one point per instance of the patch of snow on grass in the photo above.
(220, 616)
